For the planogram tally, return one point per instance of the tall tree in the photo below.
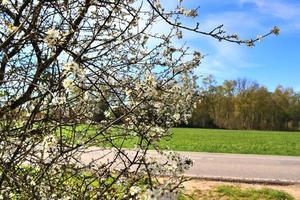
(244, 104)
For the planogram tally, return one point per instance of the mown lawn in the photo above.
(223, 141)
(234, 141)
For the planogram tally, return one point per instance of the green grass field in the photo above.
(231, 141)
(234, 141)
(226, 141)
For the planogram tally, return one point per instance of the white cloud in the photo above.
(234, 21)
(280, 9)
(226, 60)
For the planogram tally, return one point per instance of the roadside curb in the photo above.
(244, 180)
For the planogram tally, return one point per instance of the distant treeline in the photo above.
(244, 104)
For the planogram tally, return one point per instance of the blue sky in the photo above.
(274, 61)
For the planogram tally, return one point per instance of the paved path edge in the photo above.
(244, 180)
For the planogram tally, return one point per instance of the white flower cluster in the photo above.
(157, 4)
(158, 194)
(178, 34)
(158, 106)
(67, 83)
(4, 2)
(156, 132)
(134, 190)
(75, 75)
(59, 100)
(73, 68)
(49, 144)
(174, 164)
(179, 163)
(149, 85)
(54, 37)
(188, 13)
(197, 57)
(275, 30)
(108, 114)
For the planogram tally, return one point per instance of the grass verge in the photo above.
(226, 192)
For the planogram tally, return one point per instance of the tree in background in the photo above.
(62, 62)
(244, 104)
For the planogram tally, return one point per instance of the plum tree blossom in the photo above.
(53, 37)
(60, 62)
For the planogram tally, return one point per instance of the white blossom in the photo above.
(158, 194)
(275, 30)
(134, 190)
(191, 13)
(195, 105)
(259, 38)
(181, 10)
(11, 195)
(70, 66)
(53, 37)
(108, 114)
(93, 9)
(157, 4)
(59, 100)
(235, 36)
(67, 83)
(179, 34)
(151, 194)
(197, 56)
(176, 116)
(32, 182)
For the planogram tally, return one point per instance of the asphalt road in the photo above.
(235, 167)
(245, 167)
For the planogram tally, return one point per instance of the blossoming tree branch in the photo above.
(85, 73)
